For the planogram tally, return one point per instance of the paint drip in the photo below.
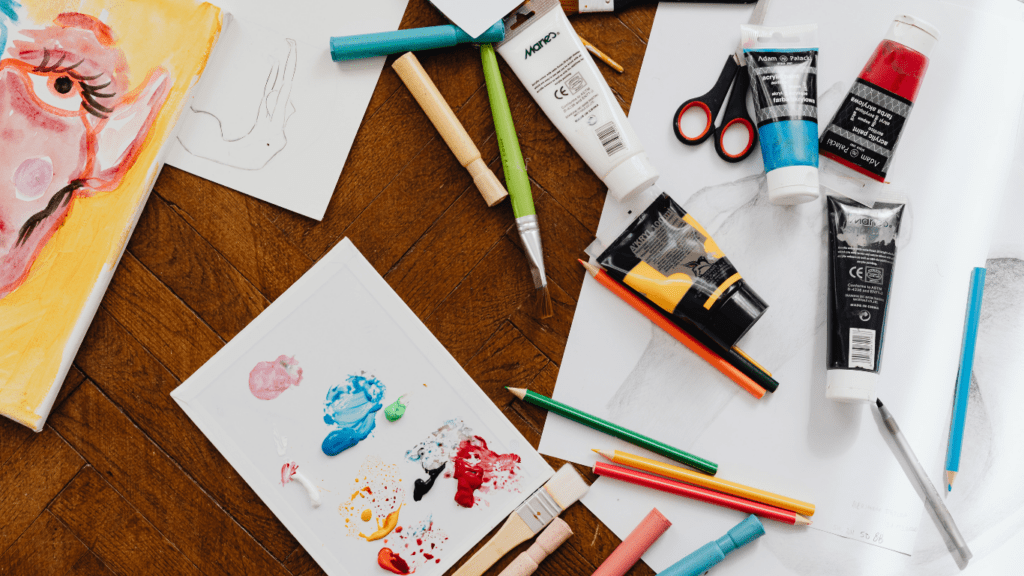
(290, 471)
(377, 496)
(351, 408)
(392, 562)
(420, 545)
(421, 486)
(269, 379)
(479, 468)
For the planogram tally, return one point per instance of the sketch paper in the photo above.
(795, 441)
(87, 102)
(275, 117)
(311, 375)
(475, 16)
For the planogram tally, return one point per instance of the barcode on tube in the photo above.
(862, 348)
(609, 137)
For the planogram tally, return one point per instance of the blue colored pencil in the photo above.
(963, 379)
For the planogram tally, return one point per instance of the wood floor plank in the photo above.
(506, 359)
(495, 289)
(155, 486)
(118, 364)
(640, 20)
(125, 542)
(236, 226)
(168, 328)
(547, 334)
(30, 479)
(172, 250)
(544, 384)
(621, 43)
(47, 548)
(89, 565)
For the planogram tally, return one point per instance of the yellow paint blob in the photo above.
(383, 530)
(366, 515)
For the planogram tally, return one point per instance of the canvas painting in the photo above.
(359, 430)
(87, 101)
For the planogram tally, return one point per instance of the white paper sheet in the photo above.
(274, 117)
(341, 319)
(796, 442)
(475, 16)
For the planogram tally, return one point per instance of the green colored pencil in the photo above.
(634, 438)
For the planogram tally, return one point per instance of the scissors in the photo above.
(734, 75)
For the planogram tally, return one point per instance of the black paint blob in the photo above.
(421, 487)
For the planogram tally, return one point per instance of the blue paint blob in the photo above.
(351, 407)
(789, 143)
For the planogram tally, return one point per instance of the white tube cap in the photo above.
(913, 33)
(635, 174)
(793, 185)
(854, 386)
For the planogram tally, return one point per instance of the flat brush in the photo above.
(564, 489)
(516, 179)
(584, 6)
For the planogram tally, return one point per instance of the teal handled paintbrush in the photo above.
(516, 179)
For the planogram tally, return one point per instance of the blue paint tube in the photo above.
(783, 67)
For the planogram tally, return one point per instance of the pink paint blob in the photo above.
(479, 468)
(32, 178)
(286, 472)
(269, 379)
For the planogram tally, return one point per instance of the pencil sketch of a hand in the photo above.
(203, 133)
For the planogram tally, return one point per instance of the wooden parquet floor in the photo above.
(121, 481)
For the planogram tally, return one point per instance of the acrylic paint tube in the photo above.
(862, 258)
(548, 58)
(783, 67)
(667, 257)
(866, 129)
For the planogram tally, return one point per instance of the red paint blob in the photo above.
(392, 562)
(476, 465)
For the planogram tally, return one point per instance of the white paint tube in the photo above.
(547, 56)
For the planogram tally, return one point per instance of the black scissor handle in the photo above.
(710, 103)
(736, 114)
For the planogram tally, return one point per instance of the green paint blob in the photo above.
(395, 410)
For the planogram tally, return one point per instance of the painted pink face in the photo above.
(69, 127)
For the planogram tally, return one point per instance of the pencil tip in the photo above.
(878, 401)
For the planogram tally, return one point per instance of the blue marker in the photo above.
(410, 40)
(783, 67)
(710, 554)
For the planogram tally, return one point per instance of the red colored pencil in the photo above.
(709, 356)
(710, 496)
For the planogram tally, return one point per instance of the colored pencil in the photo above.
(918, 476)
(727, 367)
(705, 481)
(620, 432)
(963, 377)
(710, 496)
(602, 56)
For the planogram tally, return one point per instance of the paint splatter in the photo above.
(392, 562)
(286, 472)
(269, 379)
(351, 407)
(420, 544)
(371, 512)
(421, 486)
(479, 468)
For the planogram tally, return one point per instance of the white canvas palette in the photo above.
(339, 320)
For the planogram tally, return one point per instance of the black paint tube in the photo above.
(667, 258)
(862, 258)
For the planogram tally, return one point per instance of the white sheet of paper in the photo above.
(475, 16)
(342, 318)
(796, 442)
(274, 117)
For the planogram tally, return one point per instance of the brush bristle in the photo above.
(544, 307)
(566, 486)
(571, 6)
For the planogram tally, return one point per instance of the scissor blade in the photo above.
(756, 18)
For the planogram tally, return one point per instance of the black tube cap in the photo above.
(736, 314)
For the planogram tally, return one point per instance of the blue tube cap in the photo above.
(747, 531)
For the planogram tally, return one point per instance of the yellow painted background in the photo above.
(38, 318)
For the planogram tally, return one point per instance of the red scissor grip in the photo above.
(678, 124)
(751, 140)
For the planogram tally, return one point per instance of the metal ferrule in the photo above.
(539, 510)
(529, 231)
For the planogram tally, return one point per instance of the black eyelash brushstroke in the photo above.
(61, 198)
(90, 92)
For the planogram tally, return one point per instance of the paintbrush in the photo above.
(584, 6)
(561, 491)
(516, 179)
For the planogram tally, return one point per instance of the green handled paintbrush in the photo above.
(516, 179)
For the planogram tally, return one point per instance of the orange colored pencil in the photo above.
(676, 332)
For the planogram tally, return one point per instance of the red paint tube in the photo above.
(866, 129)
